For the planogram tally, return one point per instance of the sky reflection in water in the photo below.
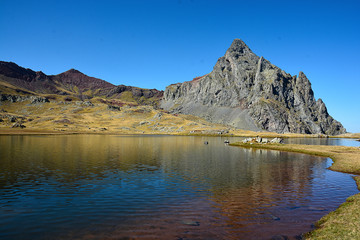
(96, 187)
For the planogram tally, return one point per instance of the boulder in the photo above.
(277, 140)
(18, 125)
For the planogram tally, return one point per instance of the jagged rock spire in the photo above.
(248, 92)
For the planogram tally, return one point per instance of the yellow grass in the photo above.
(59, 116)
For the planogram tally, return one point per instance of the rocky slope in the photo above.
(248, 92)
(16, 80)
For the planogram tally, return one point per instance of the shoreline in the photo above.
(239, 133)
(344, 222)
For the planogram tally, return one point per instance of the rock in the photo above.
(246, 140)
(84, 103)
(113, 108)
(38, 99)
(248, 92)
(158, 116)
(18, 125)
(262, 140)
(143, 123)
(12, 119)
(19, 98)
(277, 140)
(88, 104)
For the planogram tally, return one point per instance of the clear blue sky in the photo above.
(153, 43)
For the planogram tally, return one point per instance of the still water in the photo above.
(324, 141)
(160, 187)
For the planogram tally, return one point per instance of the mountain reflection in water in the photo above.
(163, 187)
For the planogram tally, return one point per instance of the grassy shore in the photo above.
(344, 222)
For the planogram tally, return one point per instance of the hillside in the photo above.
(72, 102)
(73, 84)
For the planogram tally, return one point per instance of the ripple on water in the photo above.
(98, 187)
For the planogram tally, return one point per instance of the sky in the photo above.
(155, 43)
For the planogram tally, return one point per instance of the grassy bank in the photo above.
(344, 222)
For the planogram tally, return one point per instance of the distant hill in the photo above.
(248, 92)
(72, 83)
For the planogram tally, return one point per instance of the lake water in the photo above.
(324, 141)
(160, 187)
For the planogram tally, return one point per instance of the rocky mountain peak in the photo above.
(72, 71)
(239, 46)
(83, 82)
(248, 92)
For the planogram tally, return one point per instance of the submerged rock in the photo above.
(191, 223)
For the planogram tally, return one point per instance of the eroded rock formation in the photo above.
(248, 92)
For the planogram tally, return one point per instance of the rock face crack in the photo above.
(248, 92)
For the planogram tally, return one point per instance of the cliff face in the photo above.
(248, 92)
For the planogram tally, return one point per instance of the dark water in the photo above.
(159, 187)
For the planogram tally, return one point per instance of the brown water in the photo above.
(159, 187)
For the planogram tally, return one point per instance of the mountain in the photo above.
(16, 79)
(248, 92)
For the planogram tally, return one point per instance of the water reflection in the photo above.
(324, 141)
(98, 187)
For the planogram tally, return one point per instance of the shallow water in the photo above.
(159, 187)
(324, 141)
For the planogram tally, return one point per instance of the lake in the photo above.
(160, 187)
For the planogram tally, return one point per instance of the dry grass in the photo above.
(52, 117)
(75, 117)
(349, 135)
(343, 223)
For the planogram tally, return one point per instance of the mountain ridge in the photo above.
(246, 91)
(70, 83)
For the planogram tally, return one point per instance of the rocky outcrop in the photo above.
(19, 98)
(262, 140)
(135, 91)
(248, 92)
